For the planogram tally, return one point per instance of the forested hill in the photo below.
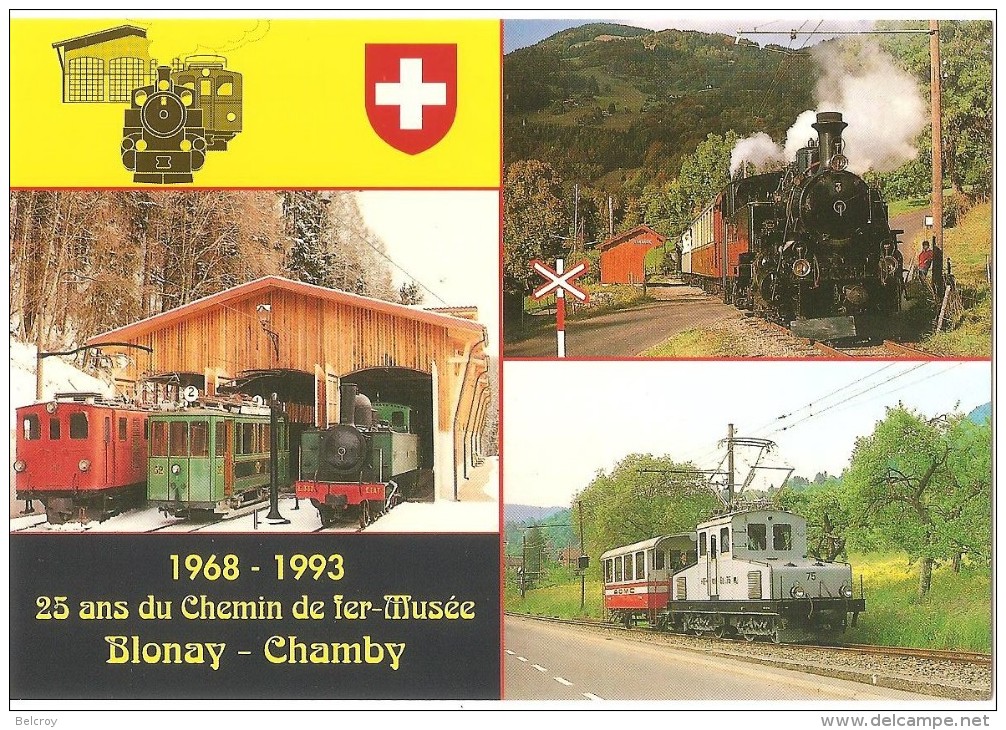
(611, 104)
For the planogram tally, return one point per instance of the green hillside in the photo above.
(606, 98)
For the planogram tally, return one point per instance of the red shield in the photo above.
(411, 92)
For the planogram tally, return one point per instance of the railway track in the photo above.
(962, 657)
(885, 349)
(943, 655)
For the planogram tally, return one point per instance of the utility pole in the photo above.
(730, 464)
(523, 564)
(583, 571)
(576, 214)
(935, 92)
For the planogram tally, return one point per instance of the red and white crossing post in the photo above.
(561, 281)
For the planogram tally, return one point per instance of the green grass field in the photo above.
(968, 245)
(957, 613)
(695, 343)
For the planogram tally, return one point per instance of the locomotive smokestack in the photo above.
(829, 126)
(347, 403)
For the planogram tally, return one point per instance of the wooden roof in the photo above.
(277, 283)
(629, 235)
(101, 36)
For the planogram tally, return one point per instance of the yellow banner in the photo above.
(252, 103)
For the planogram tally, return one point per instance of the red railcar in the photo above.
(82, 457)
(637, 577)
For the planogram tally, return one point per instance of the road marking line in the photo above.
(511, 653)
(560, 680)
(591, 696)
(521, 659)
(539, 667)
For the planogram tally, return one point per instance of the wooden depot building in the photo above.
(300, 341)
(623, 256)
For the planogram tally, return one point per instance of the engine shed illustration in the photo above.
(106, 66)
(175, 113)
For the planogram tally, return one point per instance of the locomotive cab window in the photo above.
(609, 571)
(782, 537)
(158, 438)
(640, 566)
(122, 429)
(756, 536)
(702, 544)
(55, 429)
(658, 559)
(724, 539)
(78, 426)
(32, 430)
(618, 569)
(225, 86)
(178, 439)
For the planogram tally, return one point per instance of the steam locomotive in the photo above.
(172, 123)
(743, 573)
(809, 246)
(362, 466)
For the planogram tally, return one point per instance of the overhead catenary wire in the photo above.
(819, 400)
(824, 410)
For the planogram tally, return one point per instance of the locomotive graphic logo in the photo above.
(177, 113)
(172, 123)
(411, 93)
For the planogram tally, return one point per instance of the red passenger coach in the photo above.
(637, 577)
(82, 457)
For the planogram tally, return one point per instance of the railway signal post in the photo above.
(561, 282)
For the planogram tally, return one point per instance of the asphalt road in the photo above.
(546, 661)
(628, 332)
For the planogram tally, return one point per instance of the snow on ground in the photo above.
(440, 517)
(145, 519)
(443, 516)
(447, 516)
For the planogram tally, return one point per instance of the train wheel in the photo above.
(749, 637)
(365, 518)
(58, 510)
(720, 631)
(327, 515)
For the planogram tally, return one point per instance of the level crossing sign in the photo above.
(560, 282)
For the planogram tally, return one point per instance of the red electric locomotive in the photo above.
(83, 457)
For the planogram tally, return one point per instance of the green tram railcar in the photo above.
(212, 461)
